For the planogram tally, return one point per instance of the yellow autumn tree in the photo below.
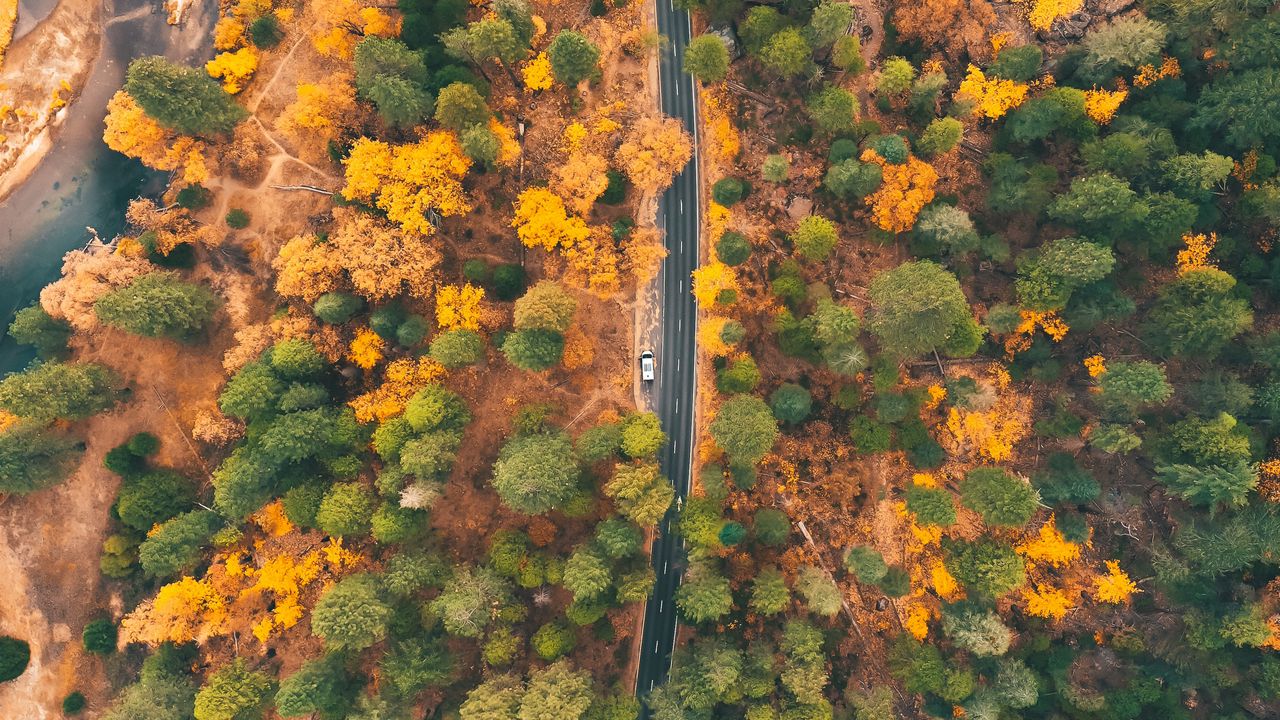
(364, 254)
(508, 145)
(1095, 365)
(644, 252)
(235, 68)
(1050, 546)
(1115, 587)
(181, 611)
(366, 349)
(537, 73)
(712, 279)
(401, 380)
(131, 132)
(947, 587)
(581, 180)
(228, 34)
(408, 181)
(340, 24)
(541, 220)
(322, 111)
(1046, 601)
(992, 97)
(458, 307)
(906, 189)
(710, 338)
(1101, 105)
(1042, 13)
(653, 150)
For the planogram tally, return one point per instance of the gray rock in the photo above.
(799, 208)
(729, 38)
(1070, 28)
(1109, 8)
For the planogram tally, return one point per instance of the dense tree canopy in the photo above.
(182, 98)
(918, 307)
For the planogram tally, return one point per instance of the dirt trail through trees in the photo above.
(49, 547)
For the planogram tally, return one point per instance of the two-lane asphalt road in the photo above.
(679, 215)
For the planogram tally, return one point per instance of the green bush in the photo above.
(237, 219)
(896, 582)
(508, 282)
(386, 320)
(476, 271)
(73, 703)
(336, 308)
(869, 436)
(152, 498)
(194, 197)
(771, 526)
(14, 656)
(616, 191)
(931, 505)
(99, 637)
(412, 331)
(1000, 498)
(866, 563)
(265, 32)
(733, 248)
(728, 191)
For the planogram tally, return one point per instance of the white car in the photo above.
(646, 366)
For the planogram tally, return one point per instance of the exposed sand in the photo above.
(38, 68)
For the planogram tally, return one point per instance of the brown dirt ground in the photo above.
(50, 541)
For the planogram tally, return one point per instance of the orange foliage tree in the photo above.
(322, 111)
(364, 253)
(458, 307)
(408, 181)
(131, 132)
(236, 597)
(581, 180)
(644, 253)
(653, 151)
(366, 349)
(401, 380)
(342, 23)
(992, 97)
(906, 189)
(86, 277)
(1195, 254)
(955, 26)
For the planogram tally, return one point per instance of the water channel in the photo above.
(81, 183)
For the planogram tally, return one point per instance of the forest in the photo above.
(987, 394)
